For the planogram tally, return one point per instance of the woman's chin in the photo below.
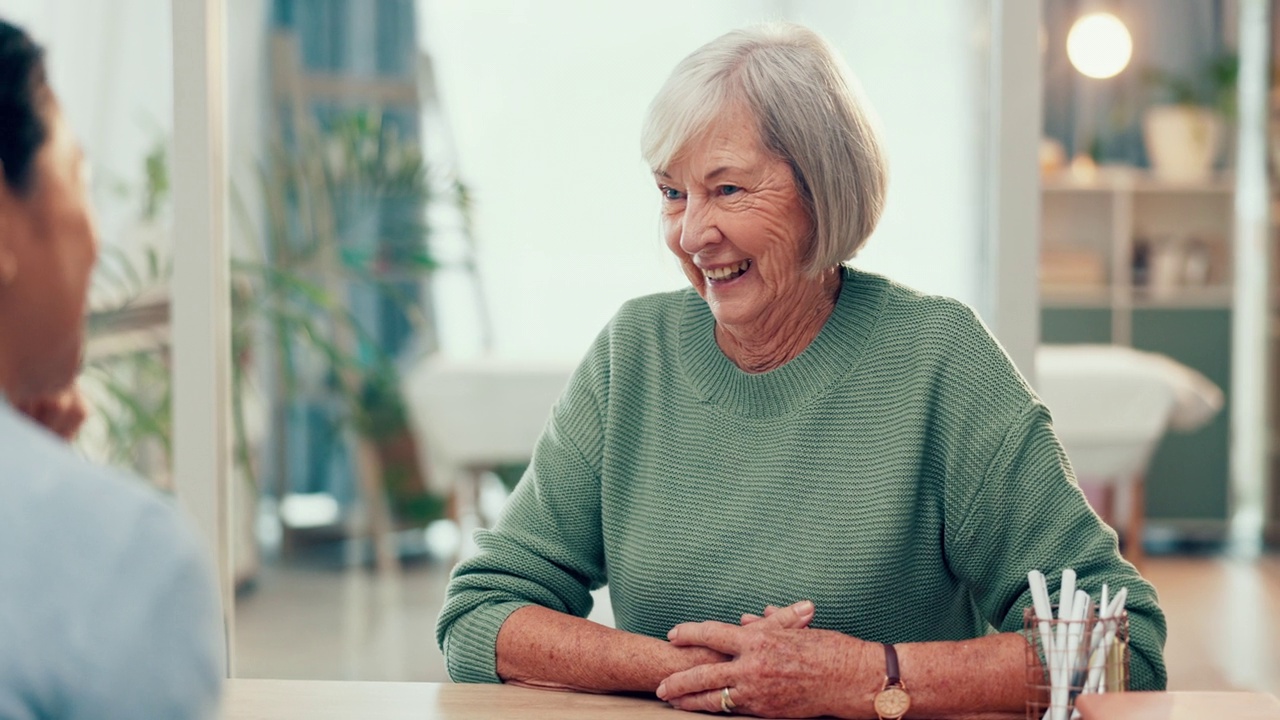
(733, 312)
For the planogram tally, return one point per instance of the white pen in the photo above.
(1113, 611)
(1061, 672)
(1071, 656)
(1096, 657)
(1044, 613)
(1043, 609)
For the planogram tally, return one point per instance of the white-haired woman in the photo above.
(788, 429)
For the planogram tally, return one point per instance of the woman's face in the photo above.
(732, 215)
(49, 235)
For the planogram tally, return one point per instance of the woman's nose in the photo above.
(699, 228)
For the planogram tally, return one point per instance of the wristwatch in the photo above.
(892, 702)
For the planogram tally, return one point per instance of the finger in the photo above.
(718, 636)
(794, 617)
(72, 413)
(697, 679)
(705, 701)
(748, 618)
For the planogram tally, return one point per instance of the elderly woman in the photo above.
(107, 607)
(787, 431)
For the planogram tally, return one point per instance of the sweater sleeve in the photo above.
(546, 549)
(1028, 513)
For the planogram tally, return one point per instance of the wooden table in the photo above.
(339, 700)
(1179, 706)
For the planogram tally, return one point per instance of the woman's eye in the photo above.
(670, 193)
(729, 189)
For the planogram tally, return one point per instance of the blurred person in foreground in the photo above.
(787, 432)
(107, 603)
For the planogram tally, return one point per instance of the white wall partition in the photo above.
(201, 303)
(1251, 330)
(1008, 268)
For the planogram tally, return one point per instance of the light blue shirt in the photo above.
(108, 607)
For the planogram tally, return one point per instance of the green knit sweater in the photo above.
(899, 472)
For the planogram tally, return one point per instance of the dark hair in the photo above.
(24, 91)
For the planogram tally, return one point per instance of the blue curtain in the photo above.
(373, 40)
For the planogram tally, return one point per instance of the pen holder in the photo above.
(1079, 657)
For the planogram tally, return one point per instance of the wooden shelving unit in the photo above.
(1097, 287)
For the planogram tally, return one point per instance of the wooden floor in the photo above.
(1224, 624)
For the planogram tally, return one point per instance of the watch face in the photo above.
(892, 702)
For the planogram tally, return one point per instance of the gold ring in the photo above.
(726, 703)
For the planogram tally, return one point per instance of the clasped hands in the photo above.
(777, 666)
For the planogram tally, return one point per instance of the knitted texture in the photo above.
(899, 472)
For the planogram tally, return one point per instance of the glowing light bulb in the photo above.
(1099, 45)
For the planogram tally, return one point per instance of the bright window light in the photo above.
(1099, 45)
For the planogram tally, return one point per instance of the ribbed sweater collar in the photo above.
(830, 356)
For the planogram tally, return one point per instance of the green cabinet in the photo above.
(1189, 476)
(1064, 326)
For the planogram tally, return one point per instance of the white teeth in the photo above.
(728, 271)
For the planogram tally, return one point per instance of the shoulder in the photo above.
(939, 326)
(944, 343)
(46, 482)
(85, 523)
(941, 317)
(643, 330)
(112, 581)
(643, 316)
(642, 336)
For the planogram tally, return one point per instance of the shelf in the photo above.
(1208, 297)
(1081, 296)
(1216, 297)
(1135, 180)
(126, 342)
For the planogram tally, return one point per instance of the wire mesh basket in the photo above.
(1068, 658)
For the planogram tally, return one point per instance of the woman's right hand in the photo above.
(792, 617)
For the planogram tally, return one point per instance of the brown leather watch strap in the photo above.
(891, 665)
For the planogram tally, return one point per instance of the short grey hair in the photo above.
(811, 113)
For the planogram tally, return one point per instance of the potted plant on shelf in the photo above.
(1184, 131)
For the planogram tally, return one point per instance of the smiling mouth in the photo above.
(727, 273)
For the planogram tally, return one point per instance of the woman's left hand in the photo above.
(61, 413)
(776, 671)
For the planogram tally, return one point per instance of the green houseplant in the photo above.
(291, 282)
(1183, 132)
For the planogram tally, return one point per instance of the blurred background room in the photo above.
(431, 207)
